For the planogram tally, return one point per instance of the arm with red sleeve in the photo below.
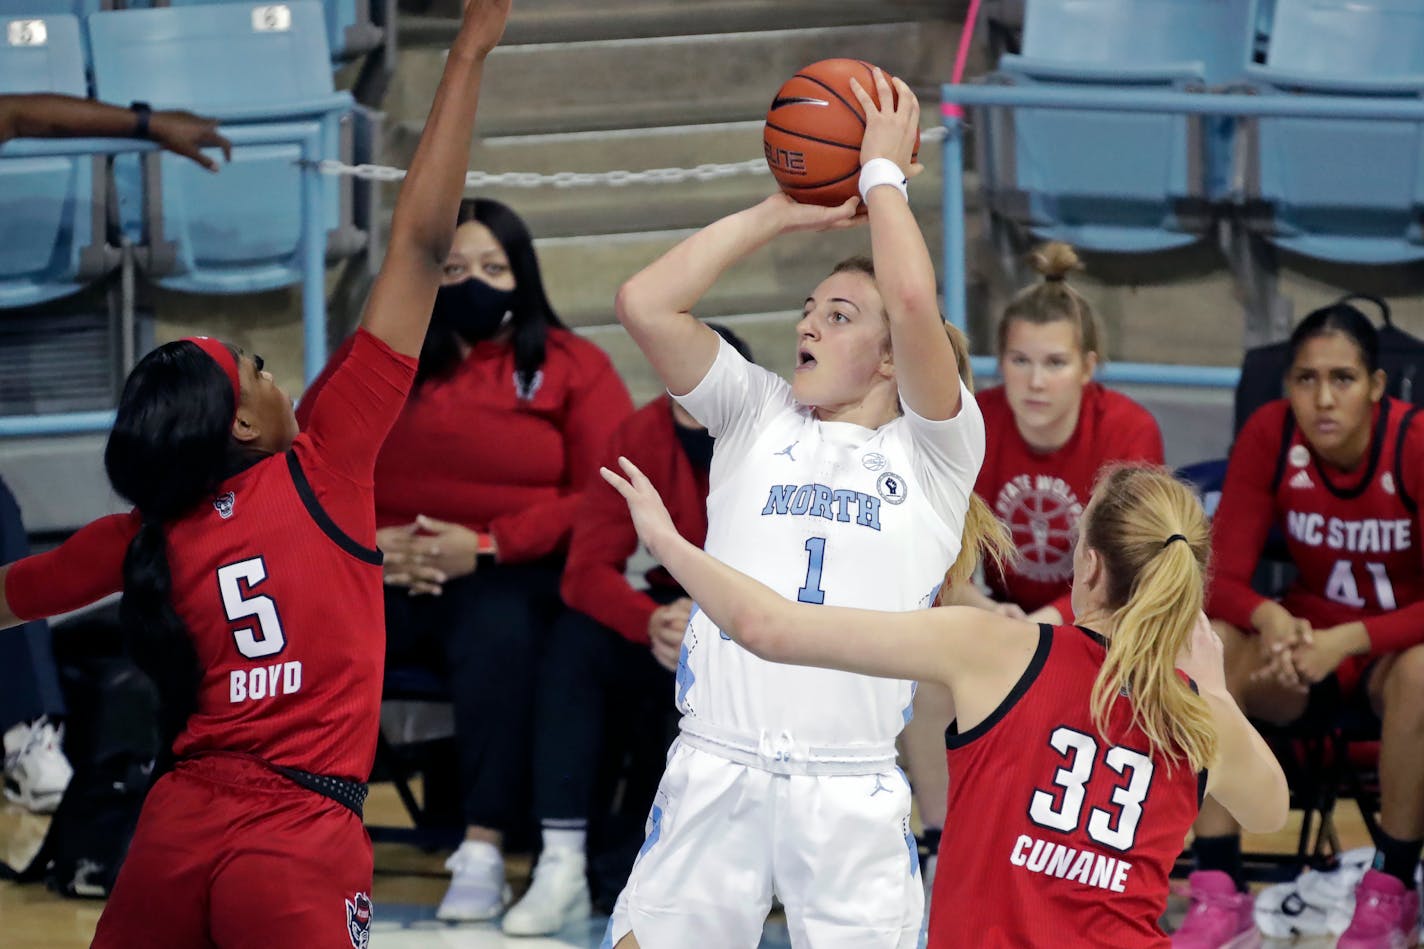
(594, 581)
(1400, 629)
(1243, 518)
(595, 410)
(1133, 437)
(308, 401)
(87, 567)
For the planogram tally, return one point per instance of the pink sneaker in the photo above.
(1220, 916)
(1386, 914)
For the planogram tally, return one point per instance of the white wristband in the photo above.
(882, 171)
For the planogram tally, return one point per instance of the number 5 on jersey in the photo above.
(236, 582)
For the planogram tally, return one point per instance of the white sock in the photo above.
(565, 838)
(483, 849)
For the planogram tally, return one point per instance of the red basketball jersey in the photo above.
(1353, 536)
(1057, 835)
(1040, 496)
(277, 580)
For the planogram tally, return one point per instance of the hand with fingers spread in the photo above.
(892, 128)
(186, 134)
(650, 516)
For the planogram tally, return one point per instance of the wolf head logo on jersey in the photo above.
(358, 920)
(223, 504)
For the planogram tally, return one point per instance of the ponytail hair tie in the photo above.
(1181, 537)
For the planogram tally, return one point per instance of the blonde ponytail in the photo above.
(984, 534)
(1152, 534)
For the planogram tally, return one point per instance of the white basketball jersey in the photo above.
(827, 513)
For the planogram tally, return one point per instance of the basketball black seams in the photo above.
(854, 109)
(822, 184)
(812, 138)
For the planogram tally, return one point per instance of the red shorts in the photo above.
(230, 854)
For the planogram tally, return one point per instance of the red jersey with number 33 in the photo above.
(1065, 837)
(1352, 535)
(277, 580)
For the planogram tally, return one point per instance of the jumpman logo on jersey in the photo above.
(879, 787)
(787, 450)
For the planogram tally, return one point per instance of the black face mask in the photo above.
(696, 444)
(472, 308)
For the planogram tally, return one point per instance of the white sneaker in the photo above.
(36, 771)
(557, 896)
(478, 890)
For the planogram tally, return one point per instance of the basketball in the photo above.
(813, 131)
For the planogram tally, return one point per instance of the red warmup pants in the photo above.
(229, 854)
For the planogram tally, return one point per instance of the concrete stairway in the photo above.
(644, 84)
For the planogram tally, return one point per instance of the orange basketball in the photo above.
(813, 131)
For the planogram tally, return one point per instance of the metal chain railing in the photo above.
(580, 179)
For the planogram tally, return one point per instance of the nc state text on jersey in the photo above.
(818, 500)
(1368, 536)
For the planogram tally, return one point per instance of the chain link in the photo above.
(580, 179)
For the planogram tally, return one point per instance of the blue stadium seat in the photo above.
(79, 8)
(350, 32)
(250, 65)
(1337, 189)
(51, 208)
(1117, 182)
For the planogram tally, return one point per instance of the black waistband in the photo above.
(349, 794)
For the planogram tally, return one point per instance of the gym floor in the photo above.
(408, 885)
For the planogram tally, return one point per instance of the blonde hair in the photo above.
(984, 534)
(1155, 588)
(1052, 299)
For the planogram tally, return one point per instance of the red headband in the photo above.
(227, 362)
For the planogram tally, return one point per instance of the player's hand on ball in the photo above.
(792, 216)
(891, 128)
(650, 517)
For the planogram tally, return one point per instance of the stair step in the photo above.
(605, 209)
(583, 274)
(677, 80)
(578, 20)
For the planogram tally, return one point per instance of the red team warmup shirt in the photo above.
(1073, 834)
(604, 537)
(470, 449)
(1041, 496)
(276, 578)
(1353, 536)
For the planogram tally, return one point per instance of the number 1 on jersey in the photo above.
(811, 591)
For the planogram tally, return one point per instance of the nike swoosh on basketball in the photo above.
(780, 101)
